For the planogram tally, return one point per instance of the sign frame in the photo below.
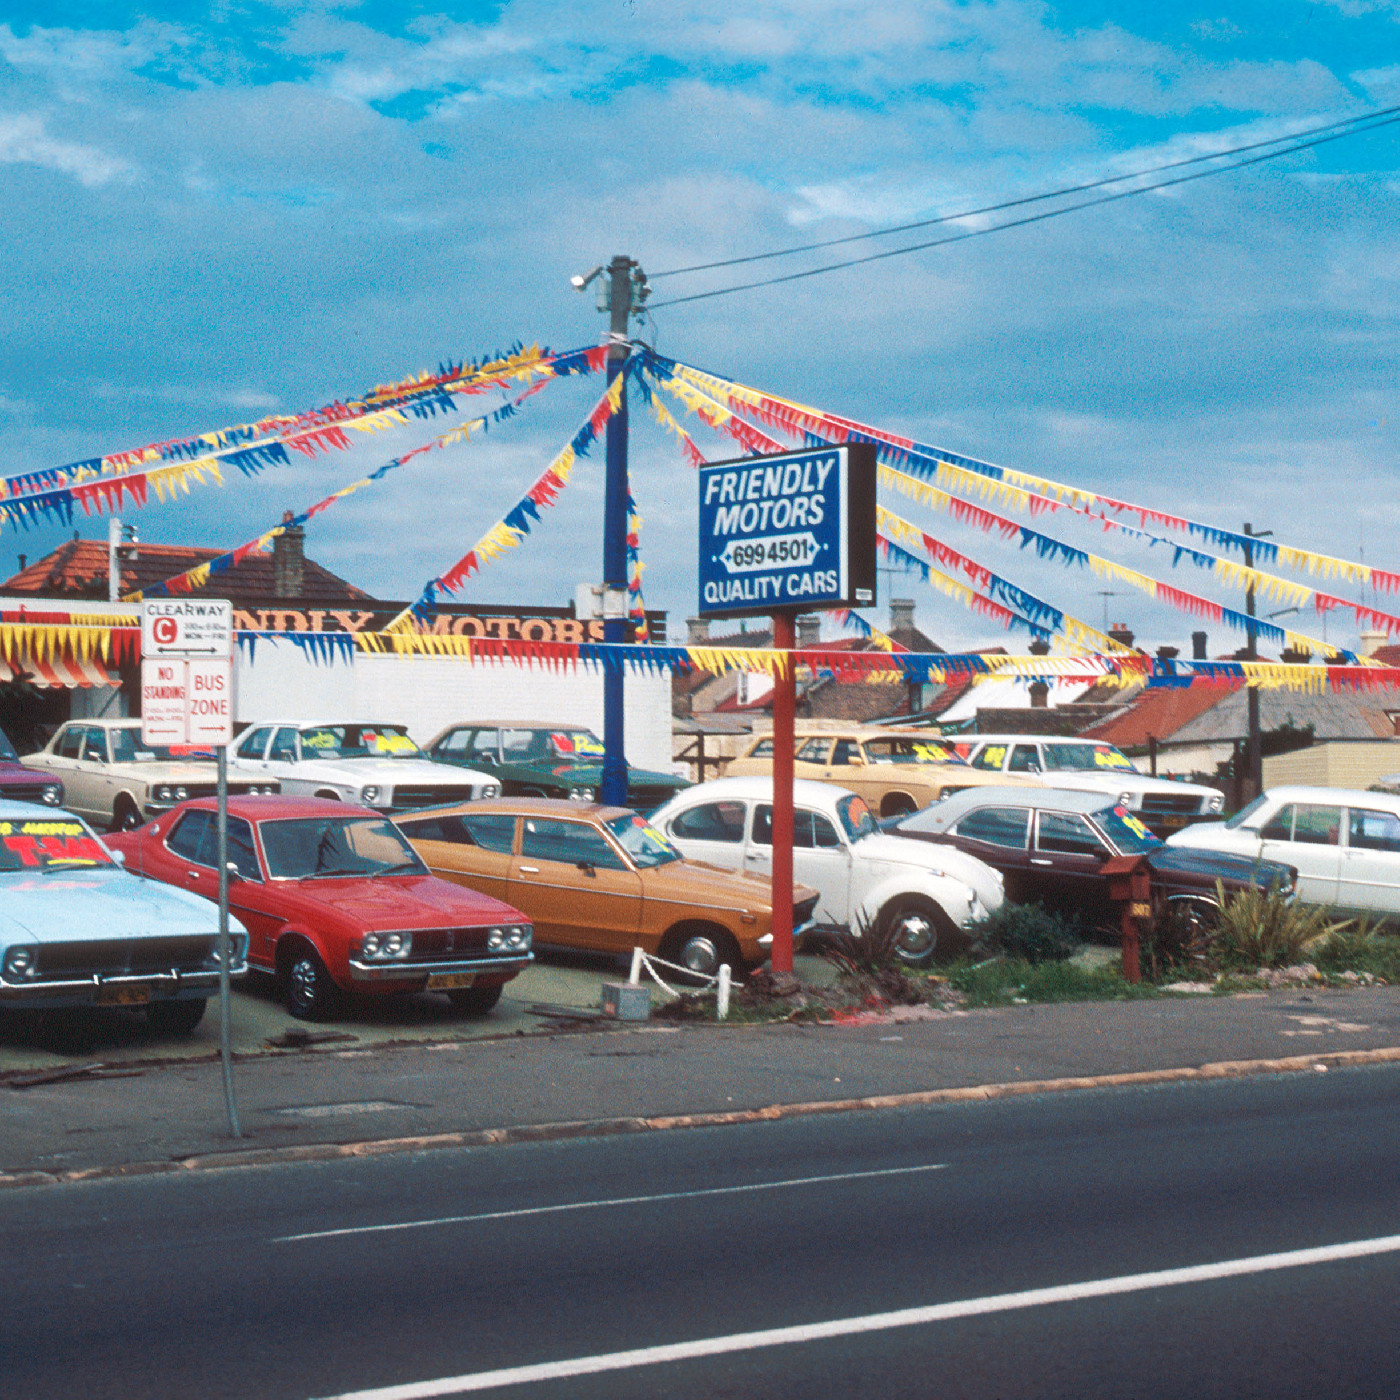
(809, 566)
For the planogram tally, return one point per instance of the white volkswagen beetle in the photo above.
(861, 873)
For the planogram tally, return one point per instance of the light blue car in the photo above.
(77, 930)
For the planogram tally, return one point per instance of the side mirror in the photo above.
(235, 875)
(588, 867)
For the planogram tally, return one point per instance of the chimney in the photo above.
(289, 561)
(1168, 653)
(697, 630)
(1198, 647)
(1298, 656)
(1040, 647)
(1040, 695)
(21, 563)
(1372, 640)
(809, 630)
(1120, 632)
(901, 614)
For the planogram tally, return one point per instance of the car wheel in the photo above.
(917, 929)
(475, 1001)
(701, 948)
(175, 1017)
(307, 988)
(898, 804)
(125, 817)
(329, 796)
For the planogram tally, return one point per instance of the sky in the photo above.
(220, 211)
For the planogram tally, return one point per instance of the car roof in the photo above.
(314, 723)
(522, 806)
(275, 806)
(1304, 792)
(849, 729)
(1033, 739)
(758, 785)
(943, 814)
(516, 724)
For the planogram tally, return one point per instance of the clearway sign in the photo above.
(790, 533)
(187, 671)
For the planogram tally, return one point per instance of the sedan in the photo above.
(863, 875)
(76, 930)
(1344, 843)
(336, 901)
(1051, 845)
(22, 784)
(603, 878)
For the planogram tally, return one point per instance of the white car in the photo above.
(1344, 842)
(114, 779)
(1089, 765)
(862, 873)
(376, 765)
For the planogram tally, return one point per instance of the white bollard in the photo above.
(722, 993)
(636, 975)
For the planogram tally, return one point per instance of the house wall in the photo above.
(428, 693)
(1351, 765)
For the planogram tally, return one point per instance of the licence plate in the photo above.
(450, 981)
(122, 996)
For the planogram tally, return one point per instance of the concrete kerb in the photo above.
(608, 1127)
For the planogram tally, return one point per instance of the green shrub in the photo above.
(1258, 929)
(1008, 981)
(1026, 931)
(1361, 945)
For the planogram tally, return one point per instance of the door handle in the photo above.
(528, 869)
(1034, 861)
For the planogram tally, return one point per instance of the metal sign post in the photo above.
(187, 699)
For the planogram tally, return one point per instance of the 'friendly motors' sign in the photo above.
(791, 533)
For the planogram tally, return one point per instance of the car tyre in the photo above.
(475, 1001)
(308, 990)
(919, 930)
(701, 948)
(176, 1017)
(125, 817)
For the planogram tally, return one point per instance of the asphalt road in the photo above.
(284, 1282)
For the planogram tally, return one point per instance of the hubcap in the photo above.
(701, 955)
(916, 936)
(303, 980)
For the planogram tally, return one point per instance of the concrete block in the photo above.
(626, 1002)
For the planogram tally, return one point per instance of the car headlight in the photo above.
(491, 789)
(496, 939)
(1215, 802)
(20, 962)
(382, 947)
(582, 794)
(181, 794)
(370, 793)
(163, 793)
(52, 794)
(1125, 798)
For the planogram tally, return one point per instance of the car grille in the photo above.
(1170, 804)
(430, 944)
(649, 797)
(436, 796)
(212, 789)
(23, 792)
(115, 955)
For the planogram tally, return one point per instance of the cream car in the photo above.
(115, 780)
(894, 770)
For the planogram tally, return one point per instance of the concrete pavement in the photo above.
(405, 1095)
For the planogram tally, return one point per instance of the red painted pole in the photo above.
(784, 746)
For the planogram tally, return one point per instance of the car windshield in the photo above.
(61, 843)
(909, 750)
(1065, 758)
(642, 841)
(128, 747)
(7, 749)
(1126, 831)
(1247, 811)
(358, 741)
(855, 817)
(307, 848)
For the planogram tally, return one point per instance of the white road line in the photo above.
(600, 1205)
(874, 1322)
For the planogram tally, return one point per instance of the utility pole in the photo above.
(626, 291)
(1254, 757)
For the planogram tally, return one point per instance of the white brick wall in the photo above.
(427, 693)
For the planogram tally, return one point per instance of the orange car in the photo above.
(894, 770)
(601, 878)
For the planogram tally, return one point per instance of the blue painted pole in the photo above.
(613, 789)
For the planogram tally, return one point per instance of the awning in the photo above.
(58, 673)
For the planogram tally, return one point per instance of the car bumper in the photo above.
(117, 989)
(407, 974)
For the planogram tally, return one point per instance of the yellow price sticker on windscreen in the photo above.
(392, 743)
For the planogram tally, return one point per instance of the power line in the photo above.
(1385, 120)
(1032, 198)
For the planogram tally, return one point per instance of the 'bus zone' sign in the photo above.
(791, 533)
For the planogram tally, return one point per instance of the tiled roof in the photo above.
(1158, 713)
(78, 569)
(1331, 715)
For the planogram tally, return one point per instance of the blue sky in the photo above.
(216, 211)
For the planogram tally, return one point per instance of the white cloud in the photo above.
(25, 141)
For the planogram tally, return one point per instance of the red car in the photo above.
(335, 900)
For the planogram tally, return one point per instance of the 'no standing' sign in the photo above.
(187, 671)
